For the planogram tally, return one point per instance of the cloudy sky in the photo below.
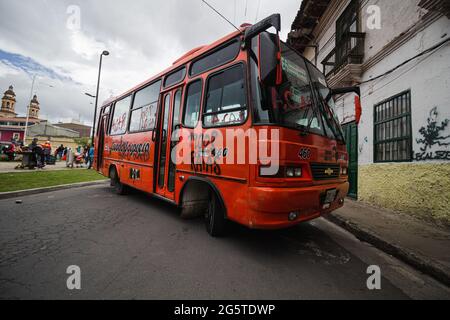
(60, 42)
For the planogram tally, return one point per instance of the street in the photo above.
(136, 247)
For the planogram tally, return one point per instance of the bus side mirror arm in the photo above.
(271, 21)
(344, 90)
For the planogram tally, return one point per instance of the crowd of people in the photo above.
(79, 157)
(11, 150)
(41, 154)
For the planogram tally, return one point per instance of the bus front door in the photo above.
(101, 141)
(169, 119)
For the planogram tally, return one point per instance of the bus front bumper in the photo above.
(271, 208)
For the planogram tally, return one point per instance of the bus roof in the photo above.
(187, 57)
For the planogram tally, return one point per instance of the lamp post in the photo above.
(29, 105)
(28, 110)
(104, 53)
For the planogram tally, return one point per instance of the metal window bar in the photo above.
(392, 129)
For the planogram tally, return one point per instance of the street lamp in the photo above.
(104, 53)
(28, 110)
(29, 105)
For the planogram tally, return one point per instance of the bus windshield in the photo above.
(293, 103)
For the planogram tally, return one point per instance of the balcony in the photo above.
(346, 56)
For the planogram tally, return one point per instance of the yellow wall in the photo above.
(419, 189)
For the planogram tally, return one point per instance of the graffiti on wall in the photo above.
(433, 135)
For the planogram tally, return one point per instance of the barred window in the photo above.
(393, 133)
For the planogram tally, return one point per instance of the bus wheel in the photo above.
(215, 221)
(118, 186)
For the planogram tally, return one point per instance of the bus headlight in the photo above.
(290, 172)
(344, 171)
(283, 172)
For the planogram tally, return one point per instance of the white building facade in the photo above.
(398, 52)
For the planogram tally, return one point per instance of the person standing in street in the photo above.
(91, 156)
(47, 151)
(38, 152)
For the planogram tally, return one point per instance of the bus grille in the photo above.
(323, 171)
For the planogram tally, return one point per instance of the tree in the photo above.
(82, 141)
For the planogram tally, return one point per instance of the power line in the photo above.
(399, 76)
(221, 15)
(257, 10)
(234, 20)
(409, 60)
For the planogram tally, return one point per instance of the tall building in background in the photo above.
(12, 127)
(83, 130)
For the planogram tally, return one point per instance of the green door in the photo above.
(351, 137)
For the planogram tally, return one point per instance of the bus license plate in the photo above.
(331, 196)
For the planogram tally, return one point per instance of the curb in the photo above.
(421, 263)
(22, 193)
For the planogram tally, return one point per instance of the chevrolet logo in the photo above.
(329, 172)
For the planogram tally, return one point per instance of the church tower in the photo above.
(34, 108)
(8, 103)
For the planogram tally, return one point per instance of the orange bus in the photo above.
(246, 81)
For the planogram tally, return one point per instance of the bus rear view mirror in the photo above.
(271, 21)
(358, 107)
(269, 59)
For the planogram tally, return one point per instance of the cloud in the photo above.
(61, 40)
(13, 61)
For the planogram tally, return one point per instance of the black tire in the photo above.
(215, 222)
(118, 186)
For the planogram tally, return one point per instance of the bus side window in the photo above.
(120, 117)
(143, 111)
(103, 113)
(226, 98)
(192, 104)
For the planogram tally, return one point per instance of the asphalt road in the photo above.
(136, 247)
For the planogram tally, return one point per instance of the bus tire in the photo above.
(118, 186)
(215, 222)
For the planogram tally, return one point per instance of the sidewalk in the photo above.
(9, 167)
(420, 244)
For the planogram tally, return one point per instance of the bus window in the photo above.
(174, 139)
(216, 59)
(145, 105)
(120, 118)
(106, 110)
(103, 118)
(226, 102)
(261, 111)
(192, 104)
(163, 155)
(175, 77)
(176, 111)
